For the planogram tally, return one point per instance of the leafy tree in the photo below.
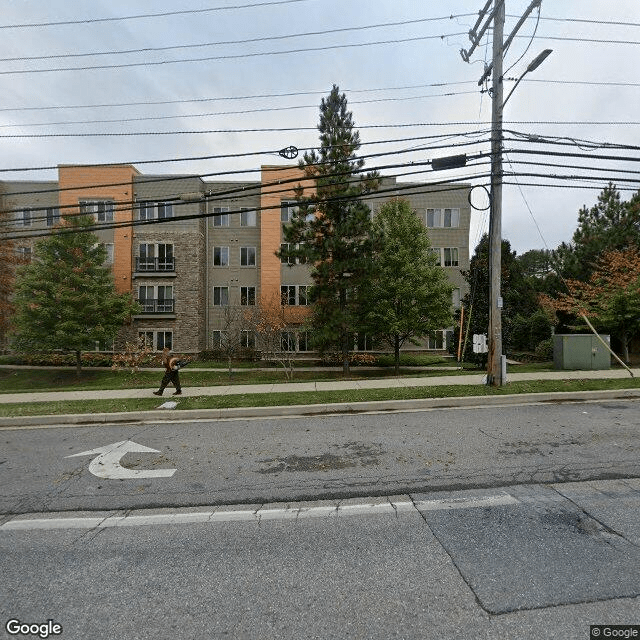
(518, 295)
(611, 297)
(611, 224)
(332, 228)
(65, 298)
(408, 295)
(8, 262)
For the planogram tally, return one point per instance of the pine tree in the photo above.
(65, 298)
(409, 295)
(332, 227)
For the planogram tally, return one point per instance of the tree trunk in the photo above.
(344, 338)
(78, 364)
(396, 351)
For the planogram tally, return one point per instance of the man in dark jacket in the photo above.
(172, 366)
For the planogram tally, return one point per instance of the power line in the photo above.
(222, 43)
(164, 14)
(236, 56)
(226, 113)
(314, 128)
(442, 137)
(416, 189)
(225, 98)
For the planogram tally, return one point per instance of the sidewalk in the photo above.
(333, 385)
(165, 413)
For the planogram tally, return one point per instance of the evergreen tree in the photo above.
(611, 224)
(409, 295)
(518, 295)
(65, 298)
(332, 228)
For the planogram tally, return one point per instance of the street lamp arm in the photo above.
(533, 65)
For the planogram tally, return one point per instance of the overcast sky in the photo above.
(395, 60)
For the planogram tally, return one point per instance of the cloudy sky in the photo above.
(237, 80)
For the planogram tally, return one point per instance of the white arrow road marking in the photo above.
(107, 464)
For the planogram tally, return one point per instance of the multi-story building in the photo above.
(190, 250)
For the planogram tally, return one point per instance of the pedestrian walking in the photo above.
(172, 365)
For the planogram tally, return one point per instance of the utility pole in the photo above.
(496, 367)
(494, 361)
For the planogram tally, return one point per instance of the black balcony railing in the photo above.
(150, 305)
(155, 264)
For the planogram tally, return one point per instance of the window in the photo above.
(287, 209)
(53, 216)
(218, 339)
(157, 340)
(102, 210)
(109, 249)
(438, 254)
(220, 216)
(220, 256)
(294, 295)
(24, 217)
(450, 257)
(436, 341)
(220, 296)
(247, 217)
(247, 256)
(156, 299)
(155, 257)
(165, 210)
(24, 253)
(443, 218)
(247, 339)
(148, 210)
(248, 296)
(303, 341)
(285, 246)
(287, 341)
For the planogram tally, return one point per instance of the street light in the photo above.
(533, 65)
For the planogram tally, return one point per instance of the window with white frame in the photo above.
(220, 296)
(109, 249)
(287, 209)
(436, 340)
(218, 339)
(437, 252)
(294, 295)
(284, 247)
(247, 256)
(24, 217)
(53, 216)
(288, 341)
(101, 210)
(152, 210)
(220, 216)
(248, 296)
(24, 253)
(156, 298)
(247, 217)
(450, 256)
(154, 256)
(220, 256)
(443, 218)
(247, 339)
(157, 340)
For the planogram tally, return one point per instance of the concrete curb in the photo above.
(464, 402)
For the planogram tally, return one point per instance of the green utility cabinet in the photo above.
(576, 351)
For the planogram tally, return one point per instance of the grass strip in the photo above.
(310, 397)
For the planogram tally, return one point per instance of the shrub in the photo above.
(544, 350)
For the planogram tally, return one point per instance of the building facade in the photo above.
(199, 255)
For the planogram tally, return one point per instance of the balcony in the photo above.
(151, 305)
(155, 265)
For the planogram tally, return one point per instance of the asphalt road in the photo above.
(527, 561)
(270, 460)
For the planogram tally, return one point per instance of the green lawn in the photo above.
(310, 397)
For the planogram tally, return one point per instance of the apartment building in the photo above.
(192, 251)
